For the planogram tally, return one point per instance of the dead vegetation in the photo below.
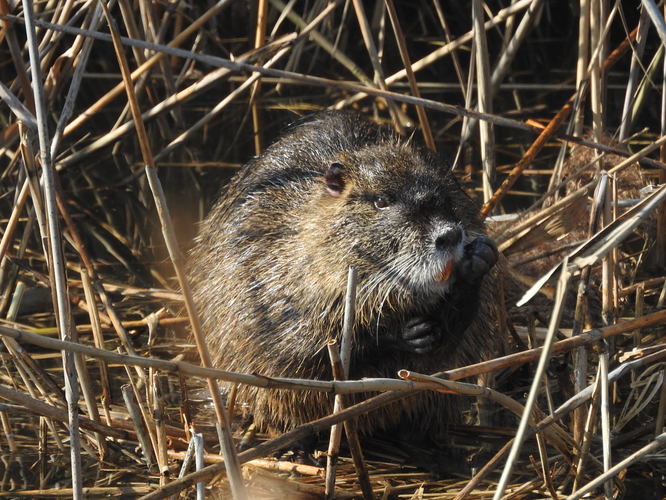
(121, 120)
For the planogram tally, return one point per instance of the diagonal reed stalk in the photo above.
(233, 468)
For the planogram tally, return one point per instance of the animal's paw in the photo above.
(480, 256)
(421, 336)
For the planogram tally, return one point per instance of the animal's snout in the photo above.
(448, 238)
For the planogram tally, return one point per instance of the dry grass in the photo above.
(119, 127)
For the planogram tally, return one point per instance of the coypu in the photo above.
(269, 268)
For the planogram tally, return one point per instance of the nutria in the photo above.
(269, 268)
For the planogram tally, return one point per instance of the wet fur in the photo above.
(269, 269)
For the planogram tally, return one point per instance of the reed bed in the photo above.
(121, 120)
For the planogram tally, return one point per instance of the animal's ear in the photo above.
(335, 179)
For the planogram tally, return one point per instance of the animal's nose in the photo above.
(448, 238)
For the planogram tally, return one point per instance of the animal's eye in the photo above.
(381, 202)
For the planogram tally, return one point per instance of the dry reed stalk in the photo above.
(383, 399)
(556, 316)
(639, 310)
(607, 262)
(506, 57)
(56, 258)
(7, 430)
(661, 410)
(217, 109)
(198, 441)
(111, 314)
(446, 49)
(289, 77)
(81, 367)
(448, 37)
(33, 383)
(404, 54)
(117, 323)
(527, 158)
(331, 48)
(469, 102)
(656, 18)
(87, 389)
(661, 256)
(641, 97)
(38, 407)
(22, 113)
(586, 438)
(657, 444)
(596, 41)
(9, 274)
(484, 99)
(353, 440)
(639, 154)
(556, 435)
(604, 409)
(340, 363)
(28, 157)
(587, 338)
(80, 60)
(98, 339)
(543, 471)
(336, 430)
(13, 220)
(127, 13)
(660, 238)
(637, 54)
(581, 310)
(159, 384)
(30, 372)
(259, 41)
(503, 64)
(379, 79)
(61, 12)
(140, 427)
(88, 491)
(564, 409)
(231, 462)
(274, 465)
(118, 89)
(303, 469)
(141, 408)
(185, 457)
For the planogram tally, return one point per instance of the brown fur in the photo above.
(269, 268)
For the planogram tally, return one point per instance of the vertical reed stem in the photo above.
(56, 258)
